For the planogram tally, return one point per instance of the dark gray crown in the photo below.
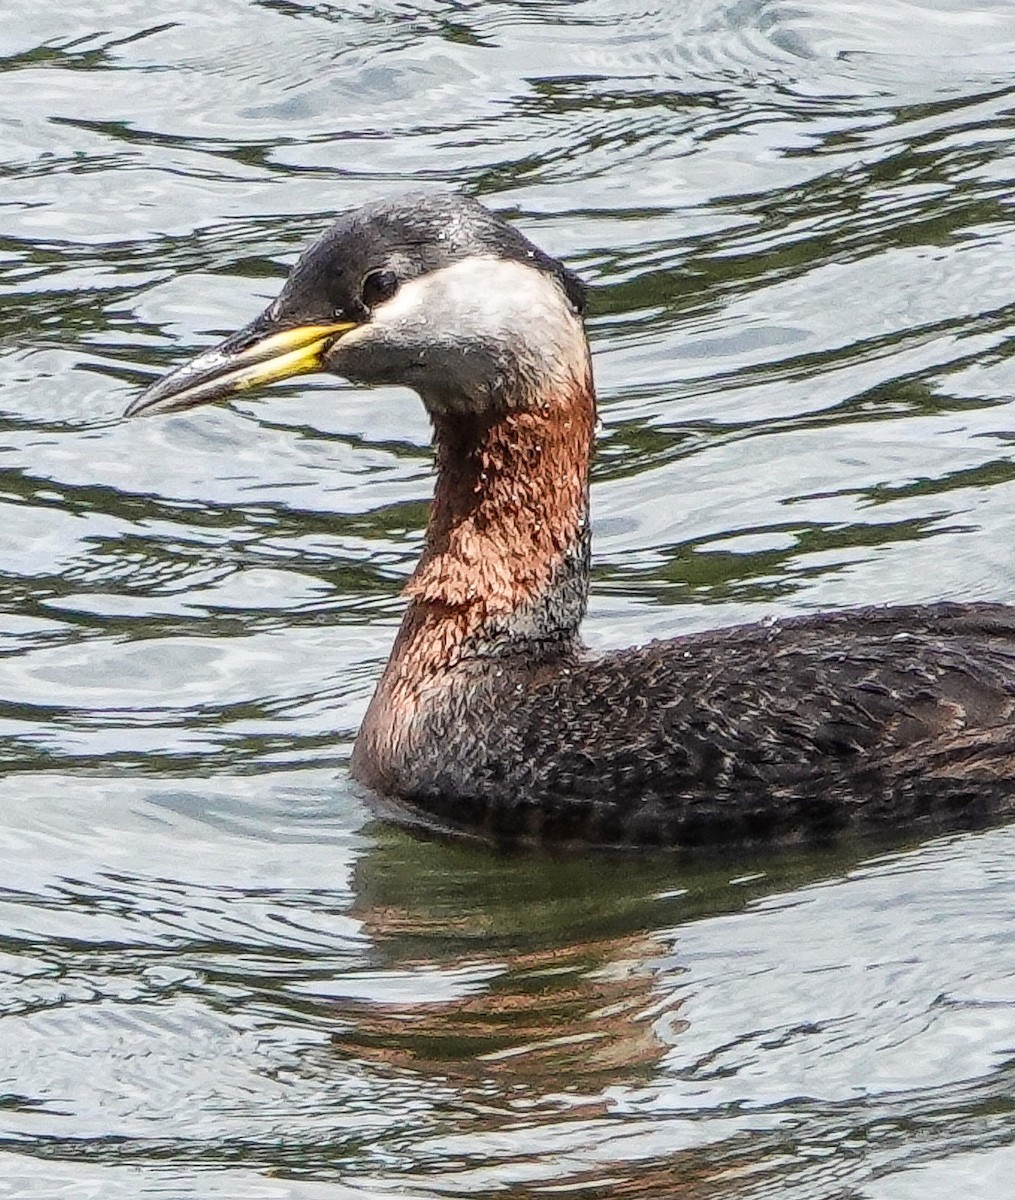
(410, 236)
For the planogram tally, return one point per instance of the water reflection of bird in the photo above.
(490, 716)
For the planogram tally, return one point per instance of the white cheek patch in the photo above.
(483, 297)
(466, 329)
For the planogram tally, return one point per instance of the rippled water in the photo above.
(219, 975)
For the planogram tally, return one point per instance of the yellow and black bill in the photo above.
(258, 355)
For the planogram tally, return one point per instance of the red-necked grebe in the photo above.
(490, 716)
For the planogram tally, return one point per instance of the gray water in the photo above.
(220, 974)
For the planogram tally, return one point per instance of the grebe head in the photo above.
(430, 291)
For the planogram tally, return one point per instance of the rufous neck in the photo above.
(506, 553)
(504, 570)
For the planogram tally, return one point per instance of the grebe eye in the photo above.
(378, 286)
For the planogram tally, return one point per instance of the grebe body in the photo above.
(490, 717)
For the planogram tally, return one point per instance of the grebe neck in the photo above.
(506, 558)
(505, 565)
